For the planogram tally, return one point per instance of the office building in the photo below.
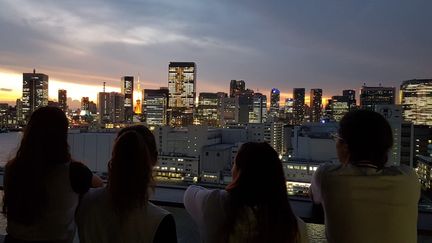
(416, 101)
(182, 92)
(338, 106)
(4, 107)
(116, 107)
(62, 99)
(350, 94)
(207, 111)
(315, 105)
(299, 105)
(155, 105)
(237, 87)
(274, 103)
(127, 89)
(35, 92)
(228, 110)
(19, 112)
(104, 107)
(371, 96)
(85, 104)
(424, 171)
(259, 109)
(393, 114)
(244, 105)
(92, 108)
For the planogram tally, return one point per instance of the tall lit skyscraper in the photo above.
(259, 109)
(127, 89)
(237, 87)
(371, 96)
(62, 99)
(208, 112)
(19, 112)
(299, 105)
(35, 92)
(416, 101)
(155, 104)
(315, 105)
(182, 92)
(274, 103)
(350, 94)
(117, 107)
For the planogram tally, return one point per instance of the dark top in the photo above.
(166, 231)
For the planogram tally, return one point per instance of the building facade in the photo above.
(35, 92)
(299, 105)
(371, 96)
(155, 106)
(127, 89)
(62, 99)
(274, 103)
(416, 100)
(315, 105)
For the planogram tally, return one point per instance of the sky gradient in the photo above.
(333, 45)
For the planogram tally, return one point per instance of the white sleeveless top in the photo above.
(97, 221)
(57, 223)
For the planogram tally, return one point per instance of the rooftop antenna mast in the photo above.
(104, 86)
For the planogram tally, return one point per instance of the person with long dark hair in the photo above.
(42, 184)
(121, 212)
(364, 198)
(253, 208)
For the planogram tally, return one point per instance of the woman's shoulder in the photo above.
(201, 193)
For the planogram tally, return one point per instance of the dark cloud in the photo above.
(286, 44)
(6, 90)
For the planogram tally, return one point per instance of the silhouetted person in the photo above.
(363, 200)
(253, 208)
(121, 212)
(42, 184)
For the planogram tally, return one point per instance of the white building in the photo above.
(393, 114)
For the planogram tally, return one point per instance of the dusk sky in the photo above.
(333, 45)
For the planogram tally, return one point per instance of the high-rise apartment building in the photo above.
(155, 105)
(274, 103)
(182, 92)
(315, 105)
(299, 105)
(127, 89)
(62, 99)
(35, 92)
(237, 87)
(416, 101)
(371, 96)
(104, 107)
(117, 107)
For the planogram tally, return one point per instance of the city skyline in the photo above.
(332, 46)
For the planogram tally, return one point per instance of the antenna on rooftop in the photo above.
(104, 86)
(34, 70)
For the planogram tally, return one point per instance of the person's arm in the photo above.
(96, 181)
(166, 231)
(82, 179)
(194, 199)
(315, 187)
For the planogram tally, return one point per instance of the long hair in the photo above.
(130, 173)
(259, 183)
(43, 145)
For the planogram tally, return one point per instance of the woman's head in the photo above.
(45, 138)
(364, 136)
(148, 137)
(130, 172)
(257, 170)
(259, 183)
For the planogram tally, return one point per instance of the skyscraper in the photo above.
(274, 103)
(62, 99)
(350, 94)
(315, 105)
(155, 104)
(104, 107)
(35, 92)
(371, 96)
(85, 104)
(237, 87)
(182, 92)
(338, 107)
(299, 105)
(117, 108)
(127, 89)
(208, 112)
(259, 109)
(416, 101)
